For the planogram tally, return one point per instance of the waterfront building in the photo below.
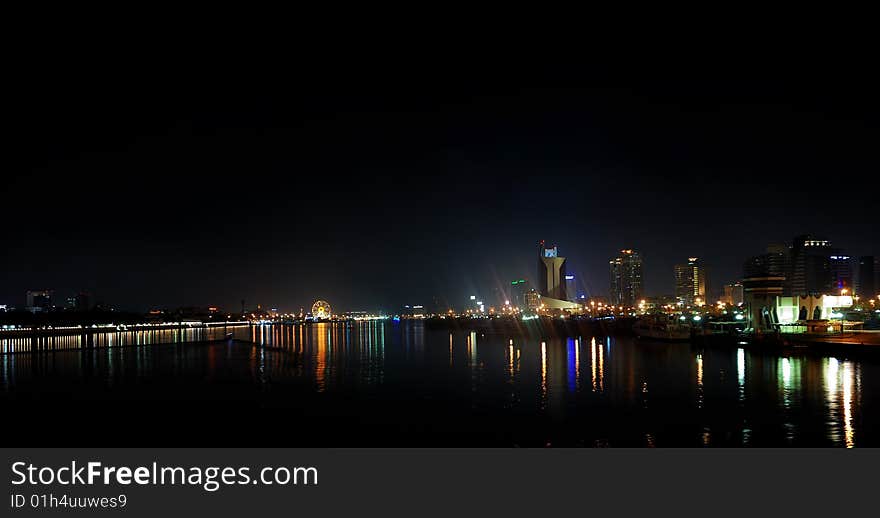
(789, 310)
(690, 283)
(760, 297)
(39, 300)
(626, 278)
(551, 273)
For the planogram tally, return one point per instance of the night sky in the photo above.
(375, 183)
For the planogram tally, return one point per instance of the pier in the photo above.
(65, 338)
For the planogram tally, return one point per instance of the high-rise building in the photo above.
(868, 287)
(841, 273)
(533, 299)
(570, 287)
(776, 262)
(39, 300)
(626, 278)
(551, 273)
(518, 290)
(690, 282)
(810, 266)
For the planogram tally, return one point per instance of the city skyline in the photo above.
(753, 266)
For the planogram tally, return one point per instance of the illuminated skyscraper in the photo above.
(626, 278)
(533, 300)
(551, 273)
(690, 282)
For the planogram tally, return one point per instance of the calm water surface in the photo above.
(398, 384)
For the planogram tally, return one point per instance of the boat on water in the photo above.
(665, 329)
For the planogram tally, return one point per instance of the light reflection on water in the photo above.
(531, 388)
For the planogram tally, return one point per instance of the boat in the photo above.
(659, 328)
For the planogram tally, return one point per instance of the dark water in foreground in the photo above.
(397, 384)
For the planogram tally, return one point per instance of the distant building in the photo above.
(657, 303)
(414, 311)
(733, 294)
(626, 278)
(690, 282)
(868, 286)
(82, 301)
(776, 262)
(533, 299)
(551, 273)
(39, 300)
(571, 287)
(841, 273)
(518, 290)
(810, 265)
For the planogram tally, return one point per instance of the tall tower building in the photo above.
(841, 272)
(551, 273)
(810, 265)
(626, 278)
(690, 282)
(571, 287)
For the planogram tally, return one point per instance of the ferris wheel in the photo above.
(321, 309)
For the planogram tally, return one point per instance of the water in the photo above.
(398, 384)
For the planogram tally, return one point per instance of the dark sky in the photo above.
(376, 182)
